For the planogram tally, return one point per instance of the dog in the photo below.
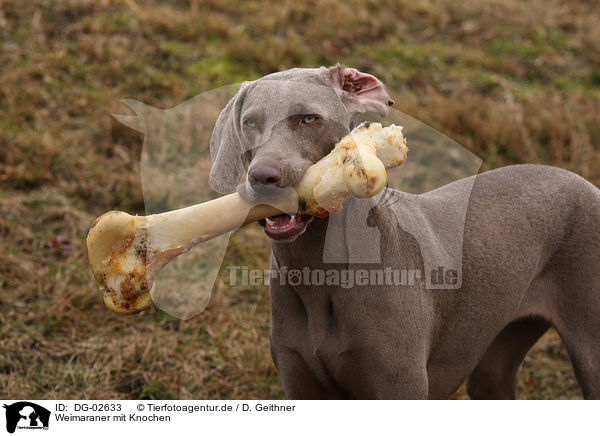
(529, 250)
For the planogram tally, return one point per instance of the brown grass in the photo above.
(512, 81)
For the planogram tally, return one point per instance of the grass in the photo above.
(511, 81)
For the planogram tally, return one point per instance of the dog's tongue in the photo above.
(280, 221)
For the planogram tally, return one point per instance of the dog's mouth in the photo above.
(285, 226)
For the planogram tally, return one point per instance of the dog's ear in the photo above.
(360, 92)
(227, 150)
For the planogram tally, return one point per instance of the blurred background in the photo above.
(512, 81)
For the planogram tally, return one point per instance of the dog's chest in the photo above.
(323, 338)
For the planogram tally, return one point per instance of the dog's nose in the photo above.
(266, 173)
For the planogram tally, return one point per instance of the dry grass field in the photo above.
(512, 81)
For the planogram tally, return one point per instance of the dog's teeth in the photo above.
(270, 221)
(292, 219)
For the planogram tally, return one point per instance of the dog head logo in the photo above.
(26, 415)
(177, 171)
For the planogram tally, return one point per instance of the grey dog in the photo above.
(529, 255)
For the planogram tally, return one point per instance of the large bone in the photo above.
(126, 251)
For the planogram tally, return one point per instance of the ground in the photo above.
(511, 81)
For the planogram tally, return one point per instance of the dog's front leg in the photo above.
(288, 335)
(299, 381)
(381, 376)
(359, 377)
(405, 385)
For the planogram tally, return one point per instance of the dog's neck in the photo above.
(306, 250)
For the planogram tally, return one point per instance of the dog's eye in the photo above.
(308, 119)
(249, 122)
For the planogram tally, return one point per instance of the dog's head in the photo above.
(283, 123)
